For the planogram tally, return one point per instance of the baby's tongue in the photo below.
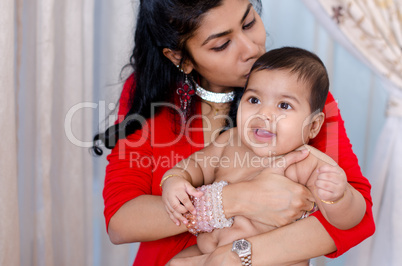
(264, 133)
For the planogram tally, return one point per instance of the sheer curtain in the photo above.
(373, 30)
(54, 55)
(9, 231)
(46, 173)
(54, 68)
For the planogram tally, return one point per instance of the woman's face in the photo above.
(226, 45)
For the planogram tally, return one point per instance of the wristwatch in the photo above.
(243, 248)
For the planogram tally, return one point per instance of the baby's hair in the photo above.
(305, 64)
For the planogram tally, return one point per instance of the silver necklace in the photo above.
(214, 97)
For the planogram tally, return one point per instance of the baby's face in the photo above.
(274, 113)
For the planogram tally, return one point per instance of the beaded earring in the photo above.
(185, 92)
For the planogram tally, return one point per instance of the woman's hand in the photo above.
(221, 256)
(270, 197)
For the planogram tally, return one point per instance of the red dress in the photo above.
(137, 164)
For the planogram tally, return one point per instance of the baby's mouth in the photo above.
(262, 133)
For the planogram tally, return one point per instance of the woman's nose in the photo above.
(250, 50)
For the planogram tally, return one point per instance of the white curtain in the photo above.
(54, 75)
(56, 57)
(9, 231)
(46, 50)
(373, 31)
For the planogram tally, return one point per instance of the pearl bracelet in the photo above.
(209, 210)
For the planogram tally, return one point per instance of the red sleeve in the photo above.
(333, 141)
(129, 172)
(126, 98)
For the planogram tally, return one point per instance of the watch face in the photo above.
(241, 245)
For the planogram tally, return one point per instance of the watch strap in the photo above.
(246, 260)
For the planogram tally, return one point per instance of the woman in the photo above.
(215, 43)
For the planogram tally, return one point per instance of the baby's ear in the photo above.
(316, 123)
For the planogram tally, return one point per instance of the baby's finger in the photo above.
(325, 194)
(330, 169)
(177, 205)
(330, 177)
(194, 192)
(185, 200)
(325, 185)
(174, 210)
(171, 216)
(180, 217)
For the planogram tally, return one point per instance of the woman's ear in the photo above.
(316, 124)
(176, 58)
(172, 55)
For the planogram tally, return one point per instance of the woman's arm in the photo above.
(287, 245)
(296, 242)
(333, 141)
(132, 214)
(142, 219)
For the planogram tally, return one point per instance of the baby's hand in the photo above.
(331, 183)
(175, 195)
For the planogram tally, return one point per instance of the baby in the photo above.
(279, 112)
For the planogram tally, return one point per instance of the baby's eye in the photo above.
(285, 106)
(253, 100)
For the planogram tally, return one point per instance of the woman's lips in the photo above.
(263, 135)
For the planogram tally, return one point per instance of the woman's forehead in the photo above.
(222, 19)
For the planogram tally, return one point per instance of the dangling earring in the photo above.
(185, 92)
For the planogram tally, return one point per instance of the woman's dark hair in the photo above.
(305, 64)
(160, 24)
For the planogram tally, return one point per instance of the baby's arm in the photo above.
(180, 181)
(341, 204)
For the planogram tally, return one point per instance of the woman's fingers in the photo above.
(281, 164)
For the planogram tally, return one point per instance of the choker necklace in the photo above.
(214, 97)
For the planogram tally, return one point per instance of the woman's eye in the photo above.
(249, 25)
(253, 100)
(222, 47)
(285, 106)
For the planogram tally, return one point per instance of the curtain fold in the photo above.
(50, 205)
(9, 230)
(54, 170)
(374, 28)
(45, 51)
